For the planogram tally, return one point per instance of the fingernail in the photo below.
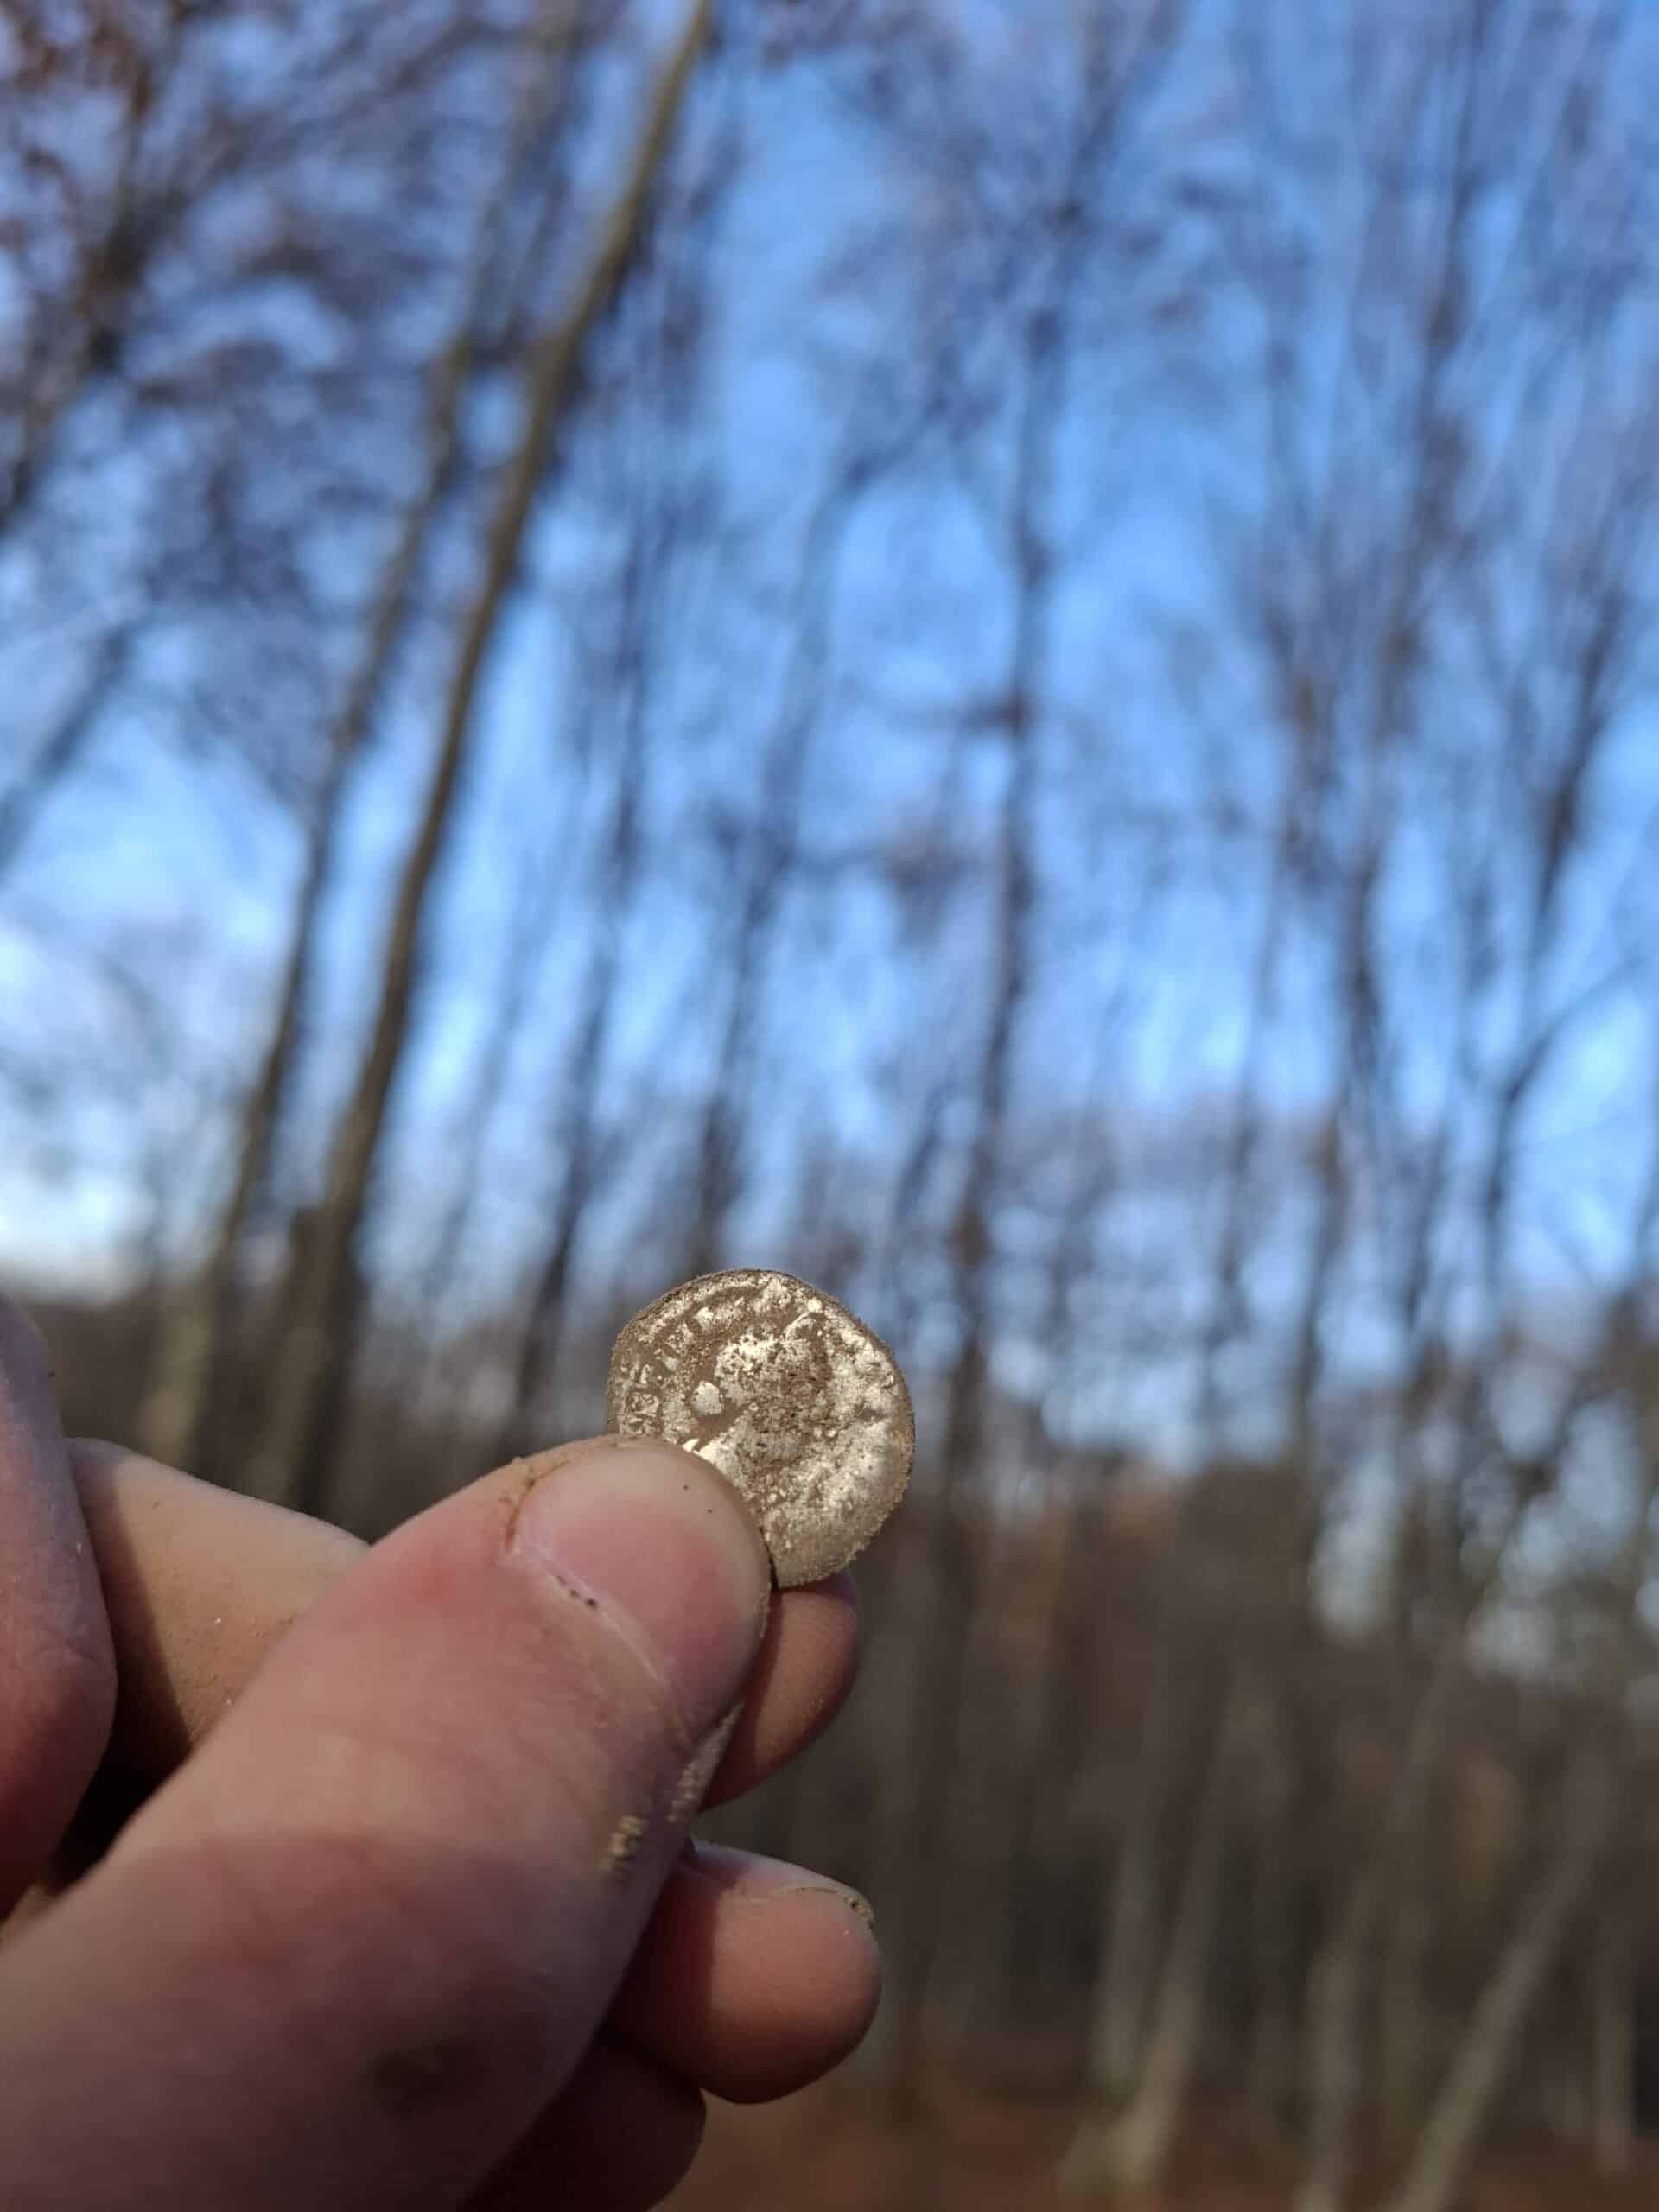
(764, 1878)
(662, 1548)
(700, 1769)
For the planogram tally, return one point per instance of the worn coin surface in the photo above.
(799, 1406)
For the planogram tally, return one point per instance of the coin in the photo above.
(798, 1405)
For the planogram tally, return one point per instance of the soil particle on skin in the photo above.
(627, 1839)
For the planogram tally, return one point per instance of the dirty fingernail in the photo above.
(764, 1879)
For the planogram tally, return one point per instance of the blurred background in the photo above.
(999, 651)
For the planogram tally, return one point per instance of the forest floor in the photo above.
(828, 2151)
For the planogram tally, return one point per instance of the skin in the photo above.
(354, 1876)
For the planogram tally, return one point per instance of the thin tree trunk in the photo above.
(1612, 2120)
(1562, 2101)
(1026, 1759)
(427, 1388)
(1123, 1988)
(1138, 2084)
(1273, 2027)
(1462, 2110)
(1335, 2056)
(653, 593)
(1337, 1984)
(1120, 71)
(287, 1466)
(1405, 2024)
(199, 1319)
(1054, 1720)
(1335, 2026)
(943, 1607)
(873, 445)
(772, 839)
(579, 1135)
(1127, 2154)
(1129, 1953)
(896, 1634)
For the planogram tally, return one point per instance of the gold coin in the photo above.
(798, 1405)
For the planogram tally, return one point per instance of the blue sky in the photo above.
(167, 854)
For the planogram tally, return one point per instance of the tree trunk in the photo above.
(1335, 2027)
(539, 1351)
(1405, 2027)
(1273, 2028)
(650, 595)
(198, 1319)
(1462, 2109)
(1335, 2054)
(1564, 2099)
(288, 1464)
(945, 1601)
(1126, 2153)
(1023, 1775)
(1120, 73)
(1130, 1921)
(1612, 2119)
(772, 838)
(429, 1394)
(197, 1324)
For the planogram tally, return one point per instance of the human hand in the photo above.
(407, 1917)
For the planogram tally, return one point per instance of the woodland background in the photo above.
(1003, 653)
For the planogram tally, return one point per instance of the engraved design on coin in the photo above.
(799, 1406)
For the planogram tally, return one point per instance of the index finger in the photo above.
(201, 1584)
(57, 1673)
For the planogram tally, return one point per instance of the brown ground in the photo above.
(826, 2152)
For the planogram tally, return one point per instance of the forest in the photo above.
(1000, 652)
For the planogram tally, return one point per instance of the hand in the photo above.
(404, 1915)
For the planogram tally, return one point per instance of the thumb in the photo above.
(366, 1933)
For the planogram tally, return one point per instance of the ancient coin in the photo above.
(799, 1406)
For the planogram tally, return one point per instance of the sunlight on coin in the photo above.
(800, 1407)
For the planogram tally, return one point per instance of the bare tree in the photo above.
(953, 1571)
(200, 1324)
(1119, 74)
(670, 515)
(1127, 2152)
(1612, 2027)
(286, 1464)
(1462, 2110)
(772, 841)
